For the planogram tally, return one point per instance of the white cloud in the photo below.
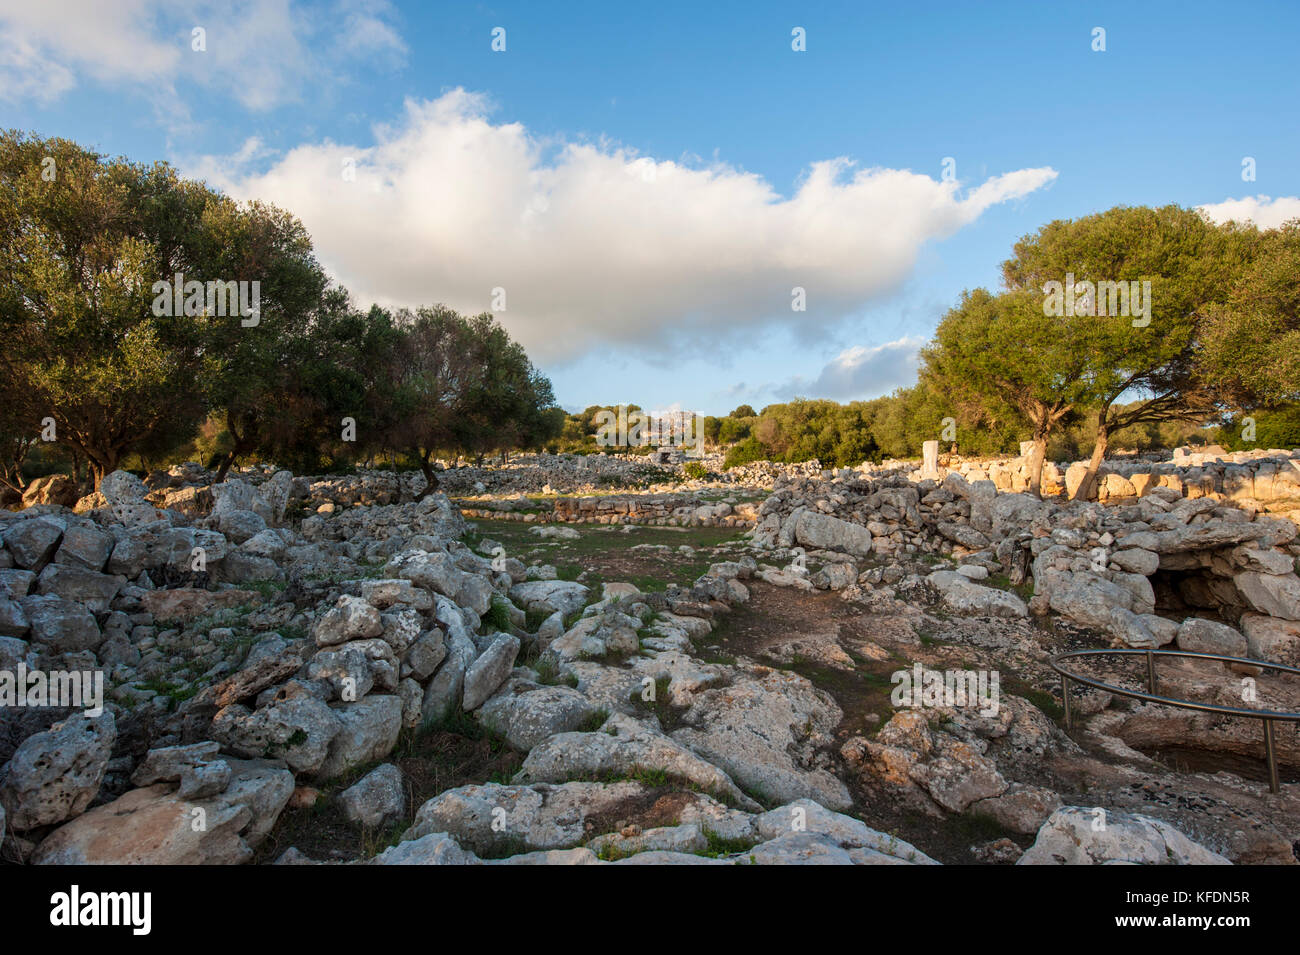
(594, 244)
(861, 372)
(117, 42)
(262, 53)
(1266, 213)
(366, 31)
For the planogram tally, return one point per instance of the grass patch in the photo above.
(1023, 590)
(455, 751)
(594, 722)
(720, 846)
(498, 614)
(549, 673)
(1040, 698)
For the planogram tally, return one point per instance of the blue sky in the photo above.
(642, 183)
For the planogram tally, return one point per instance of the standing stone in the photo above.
(929, 459)
(1074, 476)
(490, 670)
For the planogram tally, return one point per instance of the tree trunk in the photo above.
(1086, 490)
(242, 446)
(98, 471)
(430, 477)
(226, 462)
(1036, 459)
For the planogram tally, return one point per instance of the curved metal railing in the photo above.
(1151, 696)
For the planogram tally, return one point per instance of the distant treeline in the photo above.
(148, 319)
(1135, 328)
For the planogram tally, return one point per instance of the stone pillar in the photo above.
(929, 459)
(1026, 448)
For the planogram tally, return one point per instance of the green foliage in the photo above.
(1188, 265)
(498, 614)
(731, 430)
(79, 255)
(1279, 428)
(1250, 344)
(743, 453)
(81, 251)
(999, 359)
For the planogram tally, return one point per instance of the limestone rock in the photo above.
(436, 848)
(963, 596)
(298, 730)
(1272, 639)
(56, 774)
(489, 671)
(53, 489)
(349, 619)
(155, 826)
(63, 625)
(549, 596)
(526, 713)
(763, 731)
(845, 832)
(1277, 595)
(1197, 635)
(1070, 837)
(824, 532)
(86, 547)
(623, 746)
(377, 800)
(368, 730)
(32, 543)
(492, 819)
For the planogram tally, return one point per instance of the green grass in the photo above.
(267, 588)
(533, 619)
(176, 693)
(548, 673)
(498, 614)
(719, 846)
(1039, 698)
(593, 722)
(1024, 590)
(611, 852)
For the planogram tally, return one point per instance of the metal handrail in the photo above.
(1267, 716)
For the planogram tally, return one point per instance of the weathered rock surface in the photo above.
(1073, 836)
(154, 826)
(54, 775)
(622, 747)
(764, 731)
(377, 800)
(526, 713)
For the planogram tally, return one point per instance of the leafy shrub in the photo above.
(744, 452)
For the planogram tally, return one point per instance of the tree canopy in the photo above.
(142, 311)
